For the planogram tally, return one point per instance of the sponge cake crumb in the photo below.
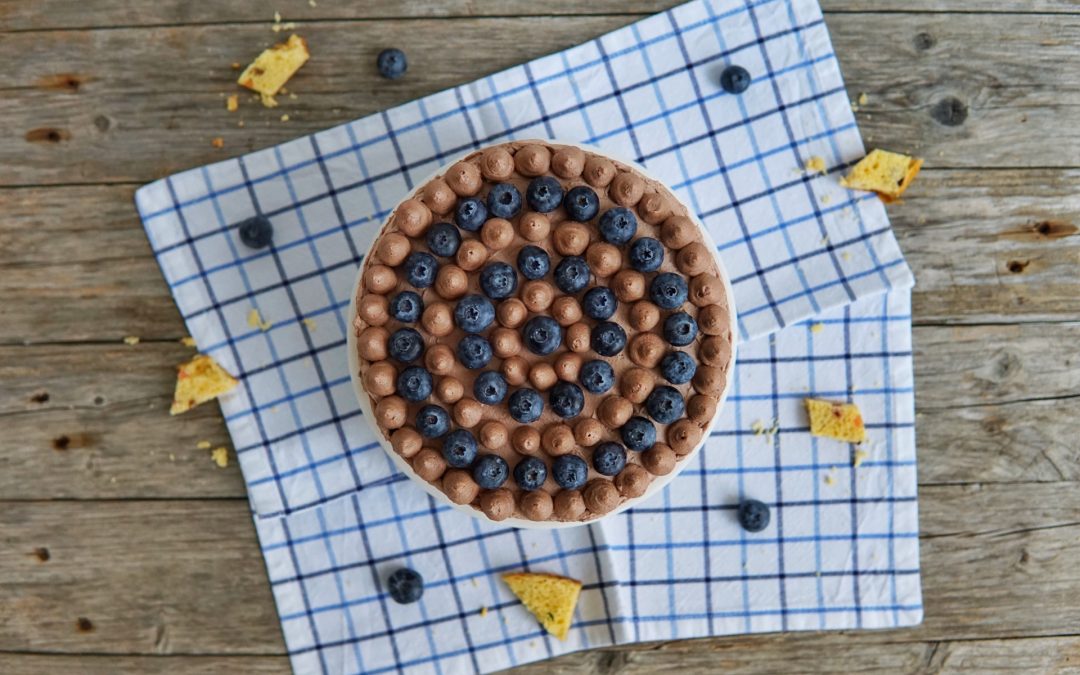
(839, 421)
(269, 72)
(886, 173)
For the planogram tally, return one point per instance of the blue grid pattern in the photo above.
(334, 516)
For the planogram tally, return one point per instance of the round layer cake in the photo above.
(542, 332)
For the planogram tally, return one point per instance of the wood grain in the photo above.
(88, 112)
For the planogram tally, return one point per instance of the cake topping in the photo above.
(497, 233)
(537, 295)
(373, 309)
(609, 458)
(626, 189)
(533, 160)
(439, 359)
(644, 315)
(449, 390)
(467, 412)
(437, 319)
(659, 460)
(570, 472)
(512, 313)
(714, 319)
(646, 350)
(451, 282)
(568, 367)
(497, 504)
(470, 214)
(438, 196)
(599, 171)
(604, 259)
(709, 380)
(515, 370)
(429, 464)
(537, 505)
(464, 179)
(714, 351)
(459, 486)
(566, 310)
(534, 226)
(493, 435)
(412, 217)
(380, 279)
(505, 342)
(568, 162)
(683, 436)
(542, 376)
(390, 412)
(701, 408)
(568, 505)
(614, 411)
(632, 481)
(371, 343)
(629, 285)
(526, 440)
(380, 378)
(588, 432)
(393, 248)
(706, 289)
(570, 238)
(678, 231)
(557, 440)
(636, 384)
(496, 164)
(577, 337)
(601, 496)
(471, 255)
(653, 208)
(693, 259)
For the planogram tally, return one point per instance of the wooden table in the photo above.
(125, 550)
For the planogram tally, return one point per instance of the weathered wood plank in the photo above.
(87, 107)
(90, 664)
(193, 581)
(67, 14)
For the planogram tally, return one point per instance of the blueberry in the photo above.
(581, 204)
(414, 384)
(572, 274)
(599, 303)
(443, 239)
(735, 79)
(406, 345)
(665, 404)
(566, 399)
(406, 586)
(542, 335)
(526, 406)
(256, 232)
(432, 421)
(530, 473)
(490, 388)
(392, 63)
(678, 367)
(498, 280)
(646, 254)
(638, 433)
(753, 515)
(680, 329)
(533, 262)
(490, 471)
(459, 448)
(504, 201)
(668, 290)
(609, 458)
(597, 376)
(474, 351)
(420, 269)
(406, 307)
(474, 313)
(471, 214)
(608, 338)
(570, 472)
(618, 225)
(544, 194)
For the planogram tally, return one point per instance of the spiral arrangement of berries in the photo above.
(541, 331)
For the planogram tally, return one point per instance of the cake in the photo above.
(541, 332)
(271, 69)
(549, 597)
(886, 173)
(198, 381)
(839, 421)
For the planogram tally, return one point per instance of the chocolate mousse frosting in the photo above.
(527, 304)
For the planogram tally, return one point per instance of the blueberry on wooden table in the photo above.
(406, 586)
(256, 232)
(392, 63)
(753, 515)
(735, 79)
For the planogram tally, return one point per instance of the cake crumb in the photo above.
(839, 421)
(817, 327)
(863, 98)
(292, 96)
(846, 255)
(203, 445)
(483, 612)
(473, 582)
(187, 341)
(312, 3)
(255, 320)
(310, 323)
(220, 456)
(284, 118)
(859, 457)
(232, 103)
(830, 479)
(198, 381)
(825, 240)
(887, 174)
(815, 164)
(268, 101)
(240, 124)
(236, 65)
(272, 68)
(218, 142)
(826, 198)
(172, 457)
(131, 340)
(767, 430)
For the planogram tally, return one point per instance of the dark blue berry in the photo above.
(474, 351)
(609, 458)
(406, 586)
(597, 376)
(566, 399)
(498, 280)
(256, 232)
(735, 79)
(530, 473)
(542, 335)
(668, 290)
(420, 269)
(405, 345)
(474, 313)
(533, 262)
(570, 472)
(646, 254)
(680, 329)
(525, 406)
(432, 421)
(392, 63)
(471, 214)
(406, 307)
(490, 471)
(678, 367)
(544, 194)
(504, 201)
(638, 434)
(581, 203)
(665, 404)
(753, 515)
(459, 448)
(618, 225)
(599, 303)
(490, 388)
(572, 274)
(608, 338)
(443, 239)
(414, 384)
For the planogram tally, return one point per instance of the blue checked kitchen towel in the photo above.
(823, 297)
